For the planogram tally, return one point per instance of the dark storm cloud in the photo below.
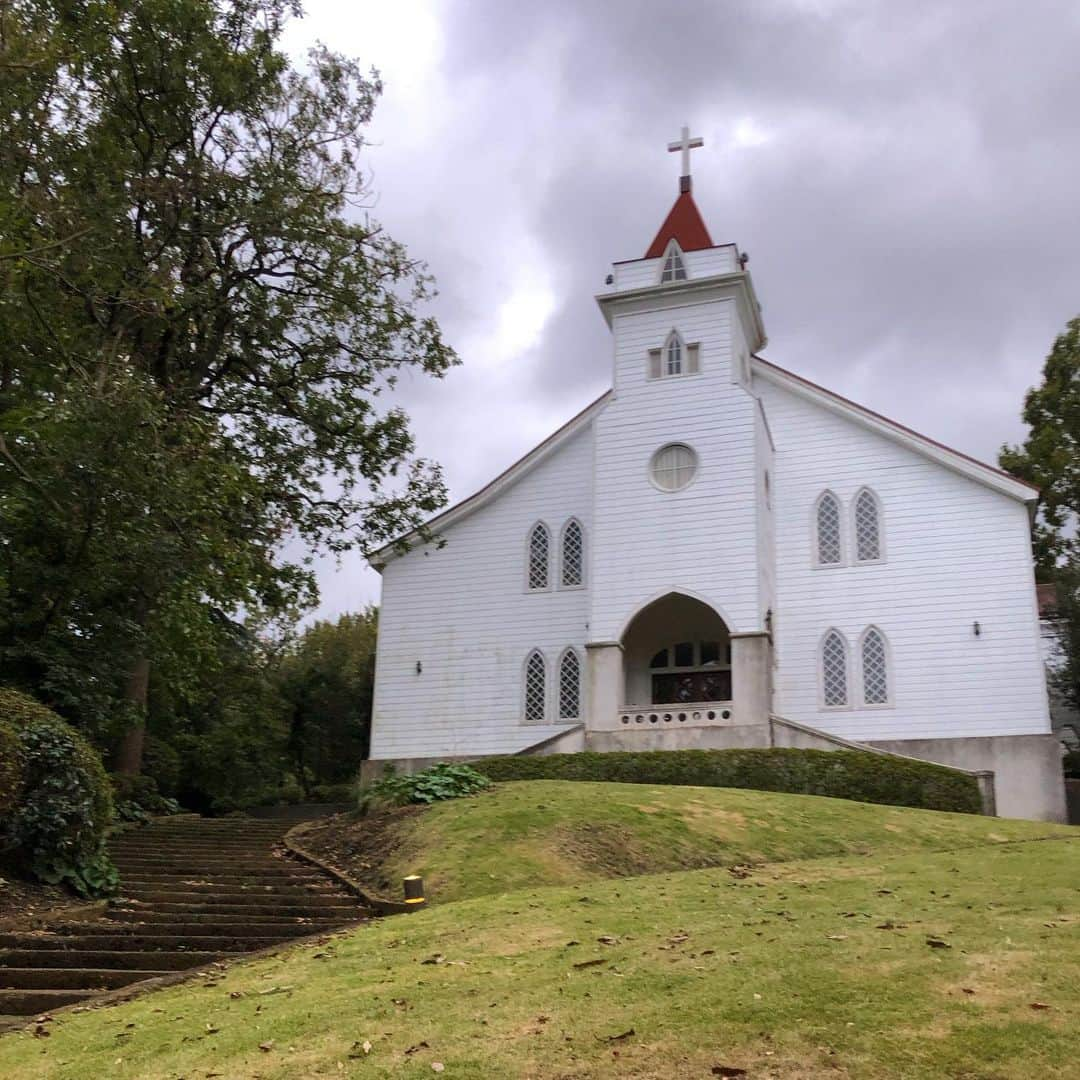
(903, 176)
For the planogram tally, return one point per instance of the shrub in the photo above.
(1071, 764)
(442, 781)
(137, 797)
(162, 762)
(10, 770)
(57, 824)
(841, 774)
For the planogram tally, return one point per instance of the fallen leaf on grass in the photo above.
(1040, 1005)
(618, 1038)
(838, 937)
(267, 1046)
(435, 958)
(727, 1070)
(608, 939)
(418, 1046)
(967, 990)
(937, 943)
(360, 1049)
(590, 963)
(437, 1066)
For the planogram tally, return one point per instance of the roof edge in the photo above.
(452, 514)
(969, 466)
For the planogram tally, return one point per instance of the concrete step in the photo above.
(238, 940)
(297, 897)
(346, 911)
(130, 960)
(159, 890)
(149, 917)
(70, 978)
(34, 1002)
(210, 927)
(284, 876)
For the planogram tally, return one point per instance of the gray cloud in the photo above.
(903, 176)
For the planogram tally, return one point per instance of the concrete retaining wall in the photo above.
(1027, 769)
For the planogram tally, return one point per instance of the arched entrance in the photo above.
(676, 650)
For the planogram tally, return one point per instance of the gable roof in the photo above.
(684, 225)
(380, 557)
(956, 460)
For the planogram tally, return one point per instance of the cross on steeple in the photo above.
(685, 144)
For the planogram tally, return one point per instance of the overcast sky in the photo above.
(904, 176)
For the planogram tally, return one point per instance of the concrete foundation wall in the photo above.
(704, 738)
(1028, 781)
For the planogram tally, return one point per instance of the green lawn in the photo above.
(558, 832)
(805, 968)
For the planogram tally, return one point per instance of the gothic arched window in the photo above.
(674, 266)
(570, 686)
(573, 555)
(867, 517)
(673, 354)
(834, 670)
(539, 545)
(827, 523)
(875, 667)
(535, 688)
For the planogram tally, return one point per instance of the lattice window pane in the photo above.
(535, 689)
(875, 669)
(673, 363)
(570, 687)
(834, 669)
(867, 528)
(828, 529)
(573, 555)
(674, 267)
(538, 557)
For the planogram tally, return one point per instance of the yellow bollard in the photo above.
(414, 889)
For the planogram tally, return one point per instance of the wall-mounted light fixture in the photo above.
(420, 667)
(976, 627)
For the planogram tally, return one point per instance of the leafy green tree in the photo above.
(200, 320)
(328, 679)
(1050, 455)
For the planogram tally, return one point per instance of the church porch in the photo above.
(678, 678)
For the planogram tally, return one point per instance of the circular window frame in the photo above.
(651, 468)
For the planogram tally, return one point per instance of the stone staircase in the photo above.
(193, 891)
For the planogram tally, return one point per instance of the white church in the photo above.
(717, 553)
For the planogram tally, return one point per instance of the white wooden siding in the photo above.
(464, 612)
(701, 540)
(642, 273)
(956, 553)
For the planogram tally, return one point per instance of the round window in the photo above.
(673, 467)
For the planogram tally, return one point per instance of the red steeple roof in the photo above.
(683, 224)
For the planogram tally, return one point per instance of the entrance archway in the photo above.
(676, 650)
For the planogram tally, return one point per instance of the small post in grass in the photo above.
(414, 890)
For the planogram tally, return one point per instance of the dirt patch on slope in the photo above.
(24, 904)
(361, 846)
(613, 851)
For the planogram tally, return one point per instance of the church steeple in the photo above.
(683, 224)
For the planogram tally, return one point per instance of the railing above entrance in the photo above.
(685, 714)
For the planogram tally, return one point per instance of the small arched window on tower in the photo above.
(827, 526)
(570, 686)
(875, 667)
(539, 545)
(535, 688)
(674, 359)
(573, 555)
(674, 268)
(834, 670)
(867, 514)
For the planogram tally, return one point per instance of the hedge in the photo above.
(56, 823)
(840, 774)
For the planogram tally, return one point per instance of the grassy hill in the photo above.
(556, 832)
(900, 944)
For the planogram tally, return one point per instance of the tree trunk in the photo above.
(130, 753)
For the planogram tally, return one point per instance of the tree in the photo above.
(328, 679)
(1050, 455)
(200, 323)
